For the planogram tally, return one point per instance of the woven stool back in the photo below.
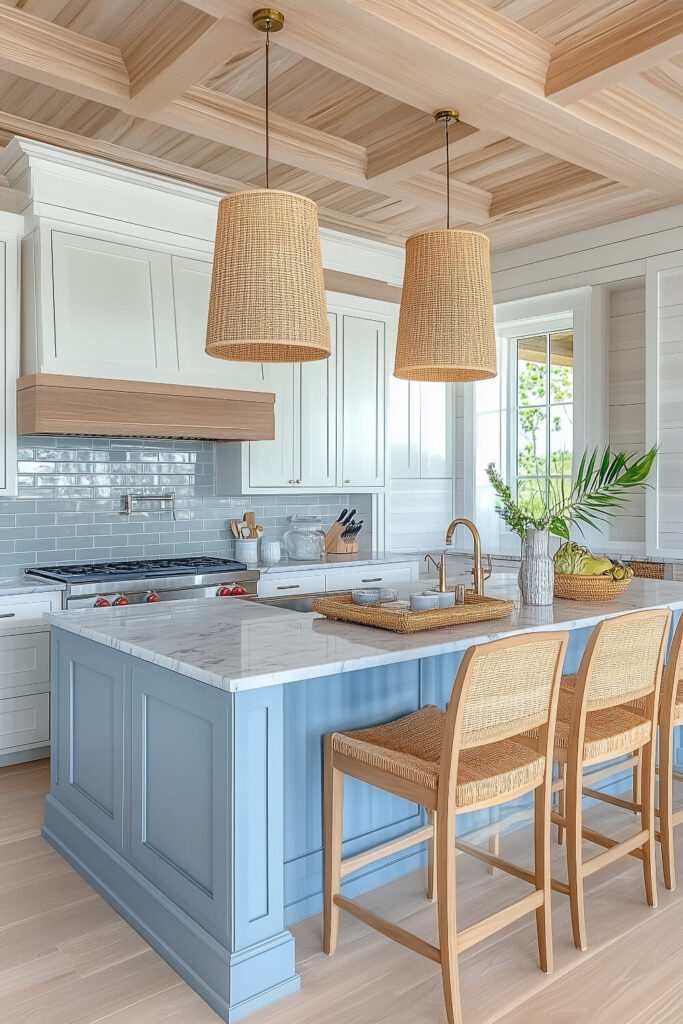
(506, 686)
(623, 660)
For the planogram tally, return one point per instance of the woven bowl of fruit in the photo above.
(580, 576)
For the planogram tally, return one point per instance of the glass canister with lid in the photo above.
(304, 539)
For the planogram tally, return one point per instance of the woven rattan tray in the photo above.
(400, 620)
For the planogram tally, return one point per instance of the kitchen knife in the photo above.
(348, 530)
(343, 512)
(349, 517)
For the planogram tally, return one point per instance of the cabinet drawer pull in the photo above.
(7, 615)
(373, 579)
(291, 586)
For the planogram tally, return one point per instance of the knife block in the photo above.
(334, 545)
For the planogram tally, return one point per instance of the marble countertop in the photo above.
(242, 645)
(10, 585)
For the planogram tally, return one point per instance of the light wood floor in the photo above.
(67, 958)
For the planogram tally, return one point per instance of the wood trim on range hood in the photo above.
(56, 404)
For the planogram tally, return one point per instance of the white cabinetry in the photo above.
(25, 676)
(11, 228)
(329, 414)
(420, 430)
(336, 577)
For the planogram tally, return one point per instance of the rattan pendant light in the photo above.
(445, 329)
(267, 299)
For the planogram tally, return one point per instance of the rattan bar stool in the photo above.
(452, 762)
(670, 717)
(622, 663)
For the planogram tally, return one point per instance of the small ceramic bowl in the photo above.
(387, 594)
(446, 598)
(366, 595)
(424, 602)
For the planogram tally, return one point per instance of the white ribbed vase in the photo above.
(536, 573)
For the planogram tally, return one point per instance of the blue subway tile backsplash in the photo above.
(70, 501)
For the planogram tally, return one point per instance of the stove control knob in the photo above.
(238, 591)
(101, 602)
(224, 591)
(152, 597)
(120, 599)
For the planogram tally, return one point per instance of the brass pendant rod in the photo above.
(448, 179)
(267, 102)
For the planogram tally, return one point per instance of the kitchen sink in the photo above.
(292, 603)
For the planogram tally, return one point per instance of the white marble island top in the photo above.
(240, 644)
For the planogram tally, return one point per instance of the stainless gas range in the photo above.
(147, 580)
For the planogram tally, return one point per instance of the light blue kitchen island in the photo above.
(186, 767)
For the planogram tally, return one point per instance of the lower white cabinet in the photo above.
(24, 663)
(333, 577)
(279, 584)
(24, 722)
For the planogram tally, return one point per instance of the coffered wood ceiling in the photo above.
(571, 110)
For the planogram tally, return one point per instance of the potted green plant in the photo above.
(601, 487)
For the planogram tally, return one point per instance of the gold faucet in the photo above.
(440, 567)
(480, 574)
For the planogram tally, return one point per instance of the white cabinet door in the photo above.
(191, 288)
(24, 721)
(436, 430)
(318, 403)
(362, 388)
(9, 369)
(113, 309)
(276, 463)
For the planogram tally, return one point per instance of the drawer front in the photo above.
(302, 583)
(24, 721)
(368, 576)
(27, 609)
(24, 662)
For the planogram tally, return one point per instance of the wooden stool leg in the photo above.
(637, 785)
(431, 858)
(334, 804)
(666, 806)
(574, 819)
(448, 937)
(647, 817)
(542, 804)
(562, 802)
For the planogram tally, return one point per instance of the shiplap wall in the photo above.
(670, 347)
(626, 336)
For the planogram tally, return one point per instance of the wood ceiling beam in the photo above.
(220, 183)
(409, 152)
(234, 122)
(34, 48)
(385, 44)
(184, 62)
(630, 40)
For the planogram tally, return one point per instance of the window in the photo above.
(543, 435)
(546, 405)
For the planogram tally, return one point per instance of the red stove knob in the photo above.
(120, 599)
(238, 591)
(101, 602)
(224, 591)
(152, 597)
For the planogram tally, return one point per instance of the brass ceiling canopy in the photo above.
(267, 19)
(267, 302)
(445, 327)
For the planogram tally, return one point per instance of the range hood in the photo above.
(56, 404)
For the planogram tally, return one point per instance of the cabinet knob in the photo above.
(292, 481)
(298, 481)
(347, 481)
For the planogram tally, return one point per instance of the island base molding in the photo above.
(231, 983)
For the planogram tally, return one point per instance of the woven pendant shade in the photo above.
(445, 328)
(267, 291)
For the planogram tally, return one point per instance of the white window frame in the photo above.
(585, 310)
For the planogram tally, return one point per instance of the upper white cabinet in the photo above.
(363, 384)
(11, 227)
(113, 309)
(329, 414)
(191, 288)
